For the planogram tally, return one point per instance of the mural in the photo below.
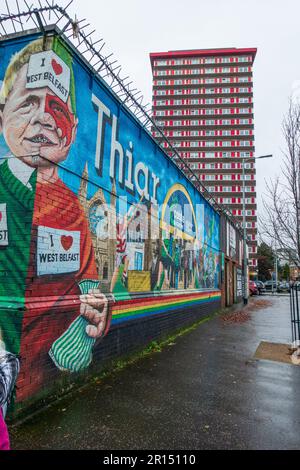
(91, 214)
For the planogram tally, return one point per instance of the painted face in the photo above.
(35, 122)
(62, 116)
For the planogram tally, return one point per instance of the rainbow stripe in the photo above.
(138, 308)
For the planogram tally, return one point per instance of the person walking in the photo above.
(9, 369)
(4, 437)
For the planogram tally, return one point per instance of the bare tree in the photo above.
(281, 222)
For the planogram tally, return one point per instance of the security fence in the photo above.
(295, 317)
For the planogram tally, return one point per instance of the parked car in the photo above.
(271, 286)
(260, 287)
(284, 286)
(253, 290)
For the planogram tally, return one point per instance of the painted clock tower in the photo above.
(101, 217)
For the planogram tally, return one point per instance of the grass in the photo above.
(153, 347)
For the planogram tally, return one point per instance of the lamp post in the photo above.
(245, 297)
(275, 268)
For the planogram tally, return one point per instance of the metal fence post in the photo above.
(295, 315)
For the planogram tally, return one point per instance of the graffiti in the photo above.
(126, 166)
(91, 213)
(48, 234)
(239, 290)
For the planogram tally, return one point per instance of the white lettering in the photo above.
(155, 185)
(128, 175)
(116, 147)
(3, 225)
(114, 460)
(128, 181)
(102, 110)
(141, 168)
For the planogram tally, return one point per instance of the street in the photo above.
(203, 391)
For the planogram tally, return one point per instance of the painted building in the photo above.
(232, 263)
(105, 245)
(203, 103)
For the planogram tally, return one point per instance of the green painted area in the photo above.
(120, 291)
(14, 257)
(60, 49)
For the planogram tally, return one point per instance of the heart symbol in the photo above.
(66, 241)
(56, 67)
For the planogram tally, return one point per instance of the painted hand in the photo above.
(94, 307)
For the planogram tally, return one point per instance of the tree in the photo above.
(281, 223)
(285, 272)
(265, 261)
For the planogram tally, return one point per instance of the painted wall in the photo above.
(98, 228)
(231, 241)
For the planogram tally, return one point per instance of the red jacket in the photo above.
(51, 300)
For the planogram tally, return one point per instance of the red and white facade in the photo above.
(203, 102)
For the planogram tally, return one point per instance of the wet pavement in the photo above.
(206, 391)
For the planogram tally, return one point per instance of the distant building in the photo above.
(286, 256)
(203, 102)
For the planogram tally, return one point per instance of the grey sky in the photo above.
(133, 28)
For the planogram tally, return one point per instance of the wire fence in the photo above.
(295, 315)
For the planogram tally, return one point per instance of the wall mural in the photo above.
(91, 215)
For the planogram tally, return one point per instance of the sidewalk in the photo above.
(203, 392)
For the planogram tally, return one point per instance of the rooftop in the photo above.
(203, 52)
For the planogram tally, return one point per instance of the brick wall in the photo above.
(121, 342)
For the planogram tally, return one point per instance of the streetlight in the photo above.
(245, 298)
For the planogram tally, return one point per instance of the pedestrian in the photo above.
(4, 438)
(9, 369)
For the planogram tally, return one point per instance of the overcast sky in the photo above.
(133, 28)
